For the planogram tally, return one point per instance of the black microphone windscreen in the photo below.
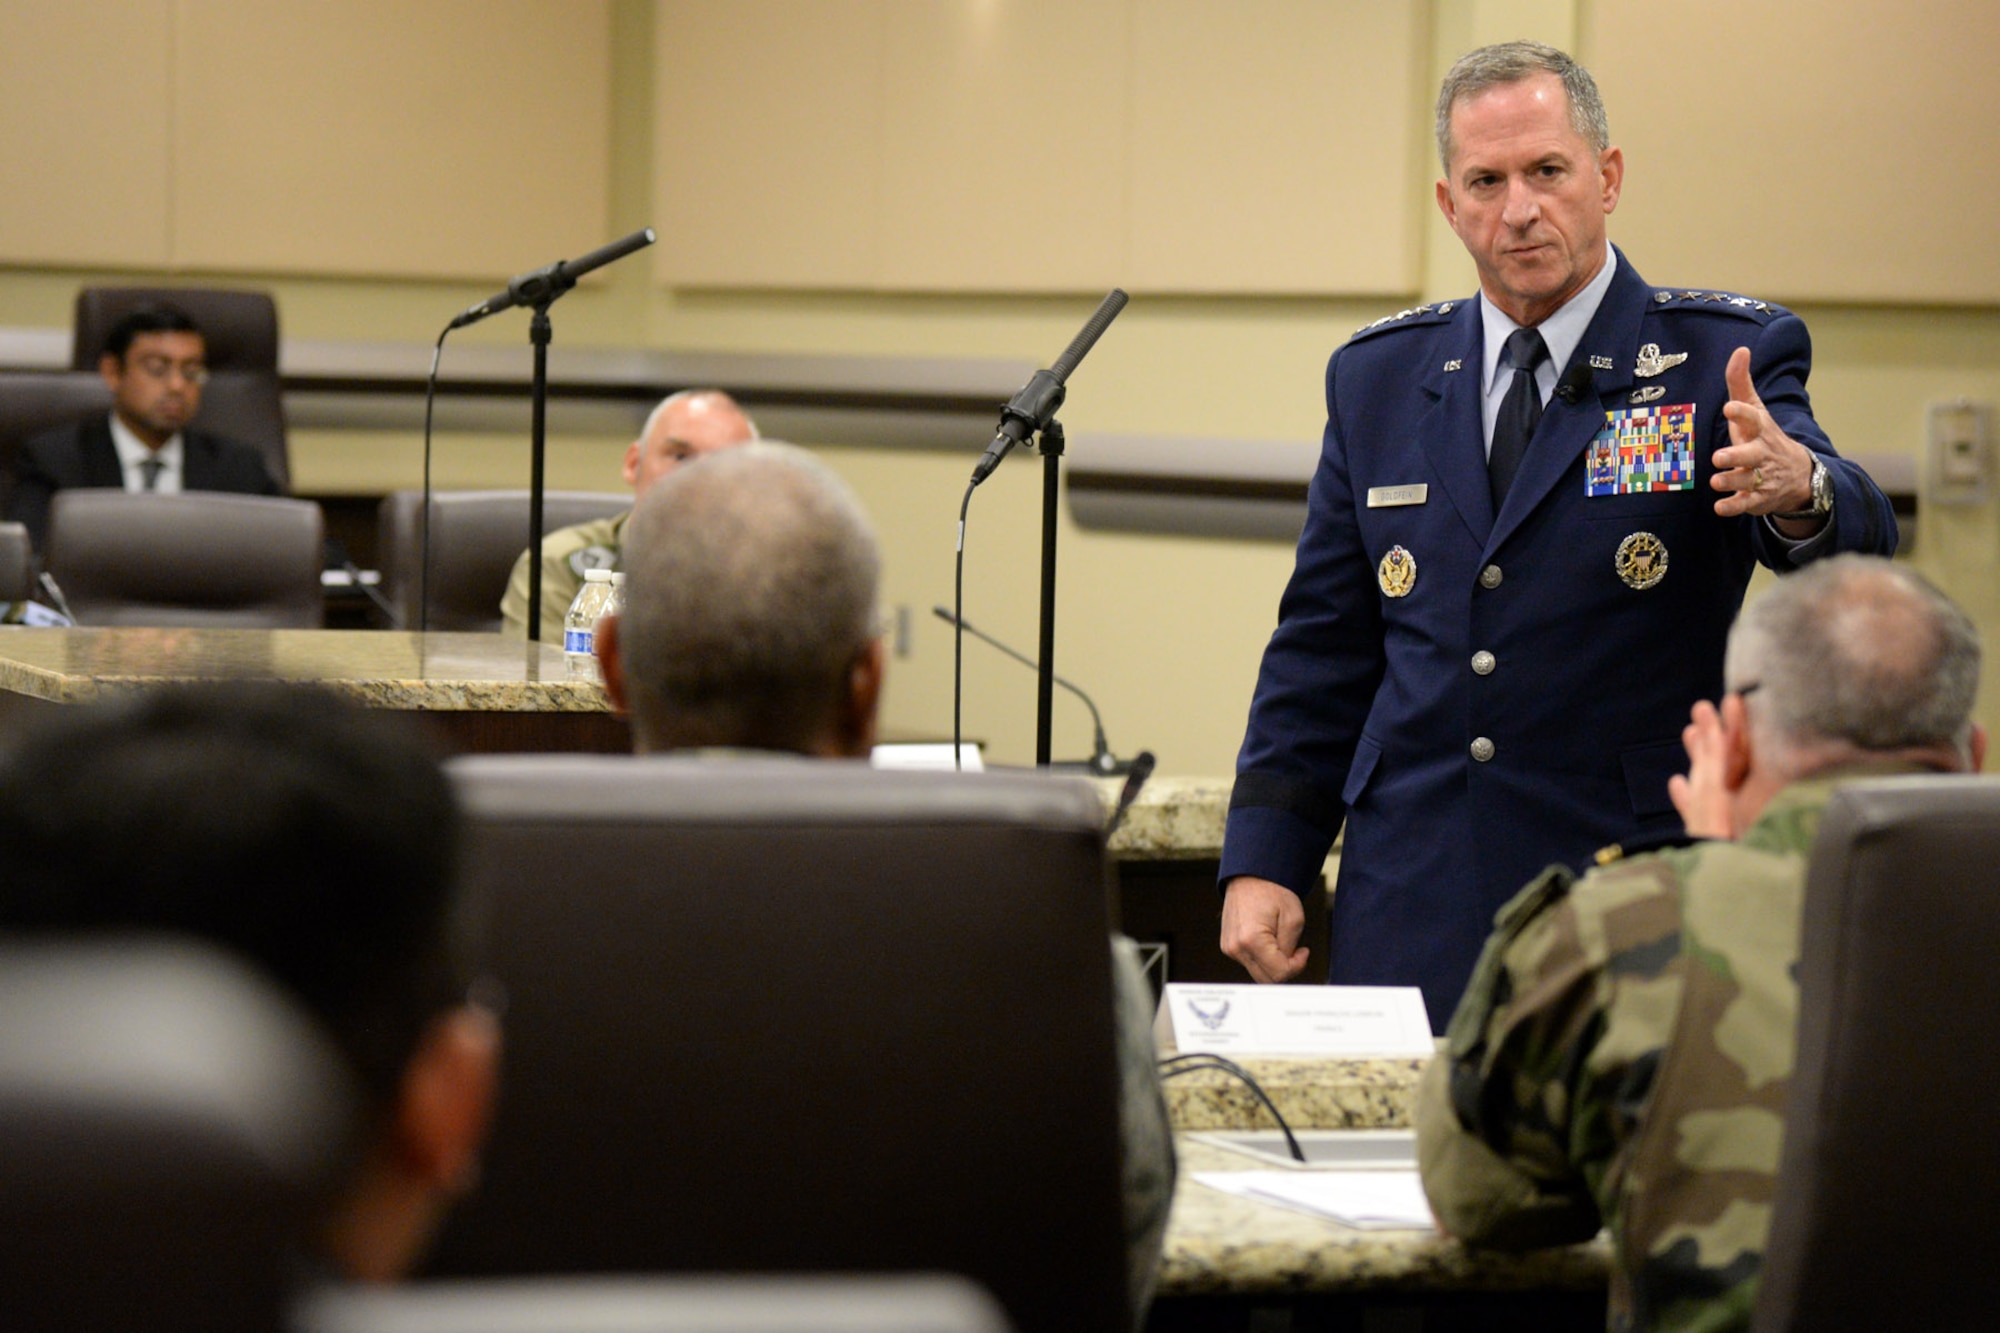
(1575, 383)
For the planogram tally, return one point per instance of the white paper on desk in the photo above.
(1300, 1020)
(925, 756)
(1368, 1200)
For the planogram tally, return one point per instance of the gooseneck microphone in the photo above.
(1035, 405)
(552, 280)
(1101, 762)
(1575, 384)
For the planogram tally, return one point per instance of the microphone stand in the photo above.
(1051, 444)
(540, 332)
(538, 290)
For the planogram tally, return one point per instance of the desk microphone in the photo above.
(1142, 768)
(48, 585)
(1102, 762)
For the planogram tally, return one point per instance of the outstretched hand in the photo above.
(1762, 470)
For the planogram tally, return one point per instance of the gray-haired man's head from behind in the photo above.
(751, 583)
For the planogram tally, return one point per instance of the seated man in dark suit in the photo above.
(155, 362)
(318, 843)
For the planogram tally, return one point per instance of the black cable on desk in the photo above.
(1176, 1065)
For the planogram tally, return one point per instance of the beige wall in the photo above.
(1166, 632)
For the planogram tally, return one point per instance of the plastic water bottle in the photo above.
(580, 626)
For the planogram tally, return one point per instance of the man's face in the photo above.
(686, 430)
(156, 388)
(1528, 196)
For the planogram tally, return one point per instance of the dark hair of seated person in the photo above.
(151, 318)
(313, 838)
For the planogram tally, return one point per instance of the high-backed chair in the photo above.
(35, 401)
(798, 1016)
(243, 398)
(196, 558)
(170, 1127)
(1888, 1173)
(907, 1303)
(475, 538)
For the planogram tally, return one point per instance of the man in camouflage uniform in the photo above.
(1623, 1052)
(687, 425)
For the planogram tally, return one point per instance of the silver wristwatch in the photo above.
(1822, 496)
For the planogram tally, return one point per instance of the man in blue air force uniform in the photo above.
(1532, 523)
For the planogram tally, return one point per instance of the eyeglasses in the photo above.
(160, 368)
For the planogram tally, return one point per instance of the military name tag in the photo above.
(1387, 497)
(1642, 449)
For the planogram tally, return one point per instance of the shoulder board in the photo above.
(1423, 314)
(1645, 842)
(1723, 303)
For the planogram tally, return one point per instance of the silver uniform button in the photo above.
(1489, 577)
(1482, 749)
(1483, 663)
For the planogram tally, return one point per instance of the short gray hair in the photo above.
(1510, 62)
(750, 589)
(1858, 652)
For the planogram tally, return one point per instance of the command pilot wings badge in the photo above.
(1651, 363)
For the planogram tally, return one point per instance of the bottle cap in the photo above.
(597, 576)
(618, 579)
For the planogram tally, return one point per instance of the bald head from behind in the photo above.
(749, 619)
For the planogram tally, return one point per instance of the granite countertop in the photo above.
(378, 668)
(1219, 1244)
(1310, 1092)
(1173, 819)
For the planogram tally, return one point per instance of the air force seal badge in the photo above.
(1397, 573)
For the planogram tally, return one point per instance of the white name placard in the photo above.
(1300, 1020)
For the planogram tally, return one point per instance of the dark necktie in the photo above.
(149, 473)
(1520, 410)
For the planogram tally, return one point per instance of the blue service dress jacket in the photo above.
(1479, 695)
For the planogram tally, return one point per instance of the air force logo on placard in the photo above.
(1213, 1018)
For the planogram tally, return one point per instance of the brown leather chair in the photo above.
(35, 401)
(170, 1126)
(476, 536)
(798, 1016)
(904, 1303)
(197, 558)
(1891, 1160)
(243, 398)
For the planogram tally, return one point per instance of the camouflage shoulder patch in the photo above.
(1414, 317)
(592, 557)
(1719, 303)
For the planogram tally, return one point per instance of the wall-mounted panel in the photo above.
(84, 94)
(449, 139)
(1276, 146)
(768, 142)
(1805, 153)
(1005, 145)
